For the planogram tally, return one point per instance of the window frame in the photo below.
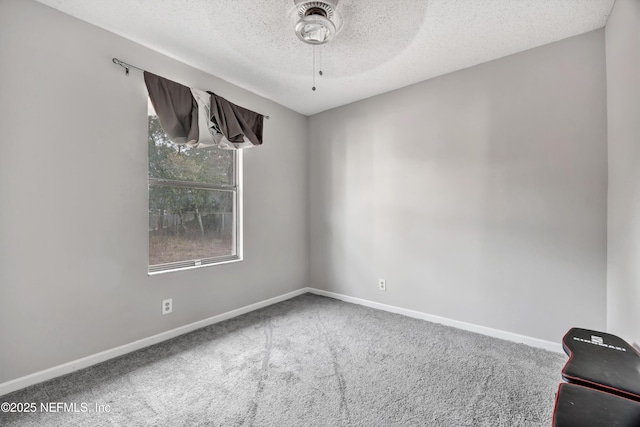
(235, 188)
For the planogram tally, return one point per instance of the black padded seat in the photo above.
(579, 406)
(602, 361)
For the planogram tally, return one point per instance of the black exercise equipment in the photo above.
(579, 406)
(602, 361)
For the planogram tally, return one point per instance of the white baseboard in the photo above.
(496, 333)
(85, 362)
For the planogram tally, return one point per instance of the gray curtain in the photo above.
(176, 109)
(237, 124)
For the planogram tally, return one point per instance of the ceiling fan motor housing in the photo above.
(306, 8)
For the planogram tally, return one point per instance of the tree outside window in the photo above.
(193, 215)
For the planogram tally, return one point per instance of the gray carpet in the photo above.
(310, 361)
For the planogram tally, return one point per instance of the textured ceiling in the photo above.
(382, 45)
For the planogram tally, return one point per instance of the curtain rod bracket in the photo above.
(127, 67)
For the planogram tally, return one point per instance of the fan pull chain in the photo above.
(314, 68)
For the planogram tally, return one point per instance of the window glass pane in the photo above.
(189, 224)
(209, 165)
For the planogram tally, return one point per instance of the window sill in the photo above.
(173, 270)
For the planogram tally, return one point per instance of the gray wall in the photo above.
(74, 153)
(623, 105)
(479, 195)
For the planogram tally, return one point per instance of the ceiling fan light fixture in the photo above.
(316, 22)
(315, 29)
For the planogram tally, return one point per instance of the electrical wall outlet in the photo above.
(167, 306)
(382, 284)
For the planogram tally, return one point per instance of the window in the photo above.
(193, 203)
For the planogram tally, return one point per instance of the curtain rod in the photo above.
(127, 67)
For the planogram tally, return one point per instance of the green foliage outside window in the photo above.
(191, 216)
